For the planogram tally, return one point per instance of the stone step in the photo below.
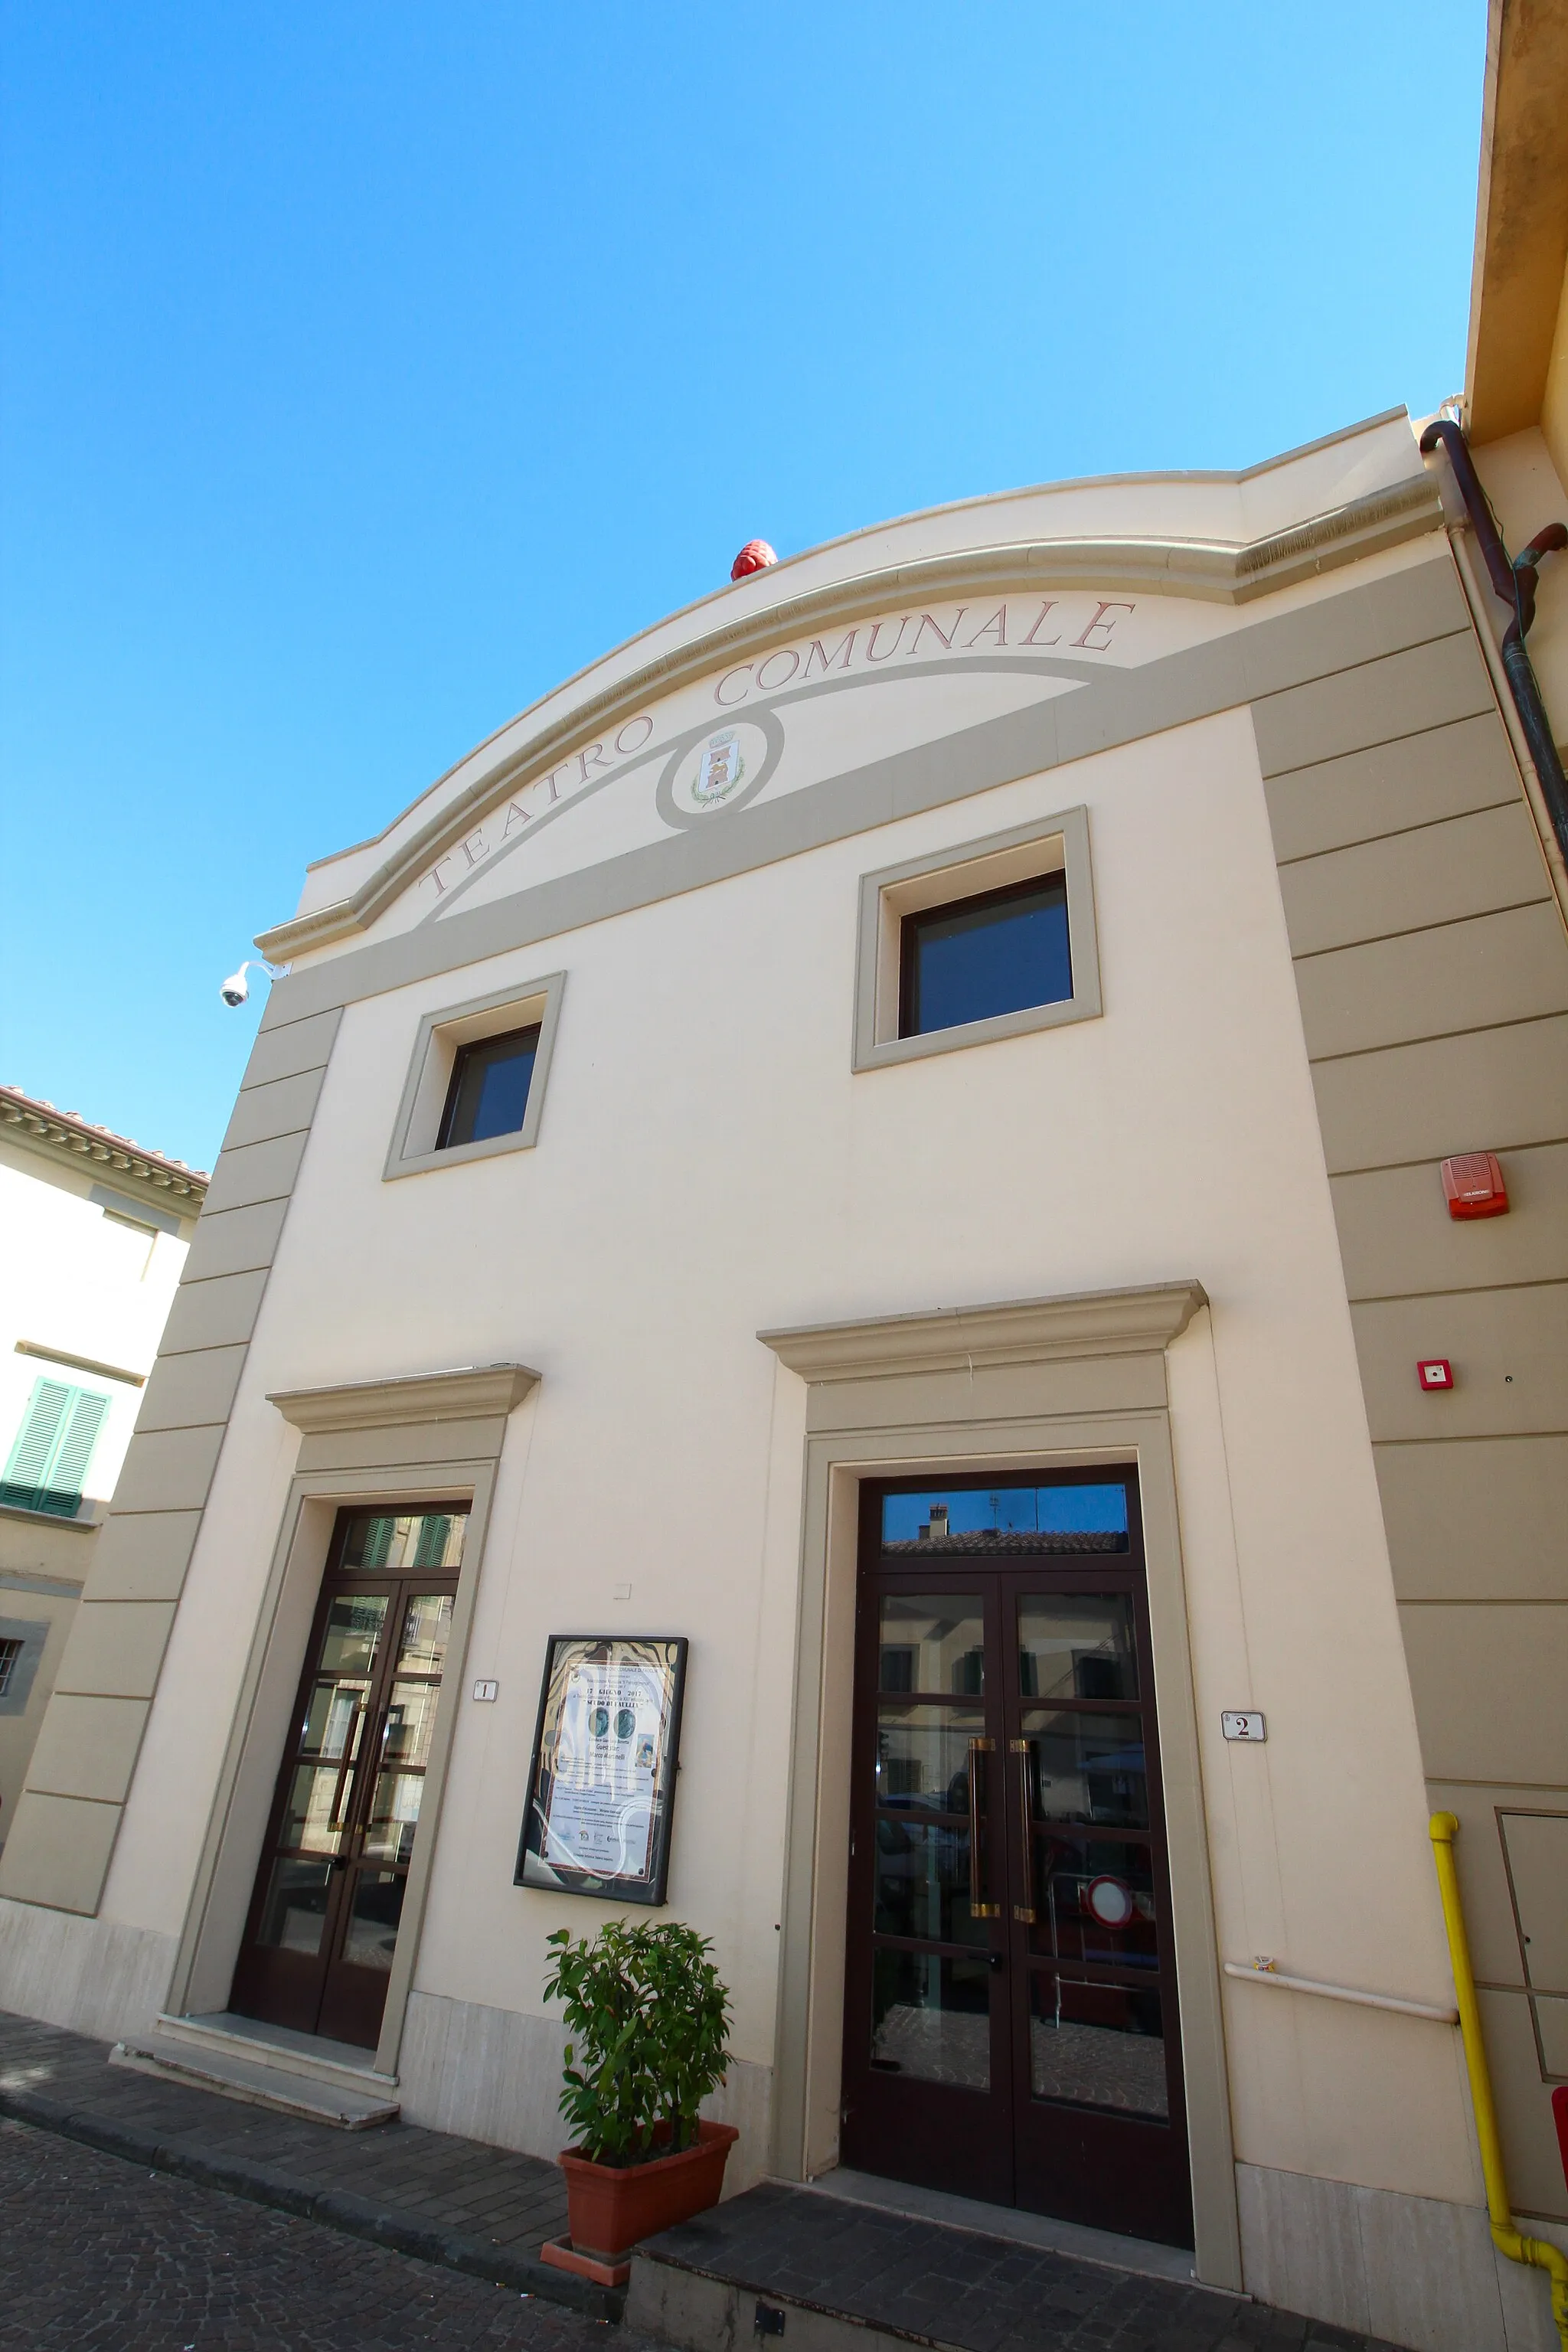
(256, 2084)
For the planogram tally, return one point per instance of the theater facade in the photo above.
(798, 1328)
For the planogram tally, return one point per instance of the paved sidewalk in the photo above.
(484, 2211)
(100, 2255)
(856, 2268)
(454, 2201)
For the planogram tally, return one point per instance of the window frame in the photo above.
(531, 1030)
(31, 1636)
(442, 1034)
(973, 902)
(978, 868)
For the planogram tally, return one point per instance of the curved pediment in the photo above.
(948, 624)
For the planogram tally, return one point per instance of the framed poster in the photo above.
(601, 1786)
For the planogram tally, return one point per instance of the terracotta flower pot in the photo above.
(611, 2206)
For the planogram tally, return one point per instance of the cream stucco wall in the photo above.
(709, 1166)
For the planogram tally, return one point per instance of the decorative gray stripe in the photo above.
(1247, 665)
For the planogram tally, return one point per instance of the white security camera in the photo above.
(236, 988)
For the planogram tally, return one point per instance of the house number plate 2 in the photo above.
(1239, 1723)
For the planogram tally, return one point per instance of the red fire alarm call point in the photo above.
(1436, 1373)
(1473, 1185)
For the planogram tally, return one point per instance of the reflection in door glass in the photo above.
(372, 1935)
(427, 1622)
(922, 1882)
(1100, 2046)
(1094, 1900)
(410, 1720)
(977, 1520)
(395, 1816)
(1076, 1645)
(933, 1642)
(353, 1629)
(333, 1721)
(931, 2018)
(313, 1818)
(295, 1910)
(922, 1755)
(376, 1540)
(1088, 1768)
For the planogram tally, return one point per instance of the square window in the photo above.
(489, 1092)
(10, 1652)
(477, 1078)
(974, 959)
(987, 940)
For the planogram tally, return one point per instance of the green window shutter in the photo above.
(48, 1462)
(67, 1472)
(48, 1407)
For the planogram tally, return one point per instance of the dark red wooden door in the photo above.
(324, 1918)
(1010, 2023)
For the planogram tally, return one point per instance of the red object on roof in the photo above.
(1473, 1185)
(755, 556)
(1559, 2117)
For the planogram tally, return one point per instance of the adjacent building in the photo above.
(92, 1237)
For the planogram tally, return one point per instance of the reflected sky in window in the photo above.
(1022, 1511)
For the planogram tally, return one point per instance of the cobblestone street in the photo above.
(101, 2254)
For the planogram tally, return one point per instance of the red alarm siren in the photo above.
(755, 556)
(1473, 1185)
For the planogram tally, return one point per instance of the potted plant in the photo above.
(649, 2019)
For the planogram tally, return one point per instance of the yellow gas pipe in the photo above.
(1505, 2237)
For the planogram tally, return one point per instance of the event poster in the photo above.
(601, 1784)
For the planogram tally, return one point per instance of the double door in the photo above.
(1010, 2023)
(323, 1923)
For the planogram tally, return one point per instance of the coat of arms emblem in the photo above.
(719, 768)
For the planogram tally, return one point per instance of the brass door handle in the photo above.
(1024, 1912)
(977, 1909)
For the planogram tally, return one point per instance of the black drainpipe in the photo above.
(1514, 581)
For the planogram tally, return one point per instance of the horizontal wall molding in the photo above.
(1012, 1331)
(466, 1394)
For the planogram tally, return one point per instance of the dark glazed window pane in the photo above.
(933, 1642)
(372, 1935)
(488, 1093)
(931, 2018)
(1076, 1645)
(979, 1519)
(1095, 1901)
(922, 1755)
(976, 957)
(295, 1910)
(923, 1883)
(1099, 2046)
(1088, 1768)
(434, 1540)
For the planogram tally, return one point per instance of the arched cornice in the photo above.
(1214, 571)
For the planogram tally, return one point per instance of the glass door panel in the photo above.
(324, 1921)
(1009, 1980)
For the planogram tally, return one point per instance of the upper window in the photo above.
(975, 943)
(477, 1078)
(47, 1465)
(972, 959)
(489, 1092)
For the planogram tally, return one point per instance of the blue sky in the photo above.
(366, 369)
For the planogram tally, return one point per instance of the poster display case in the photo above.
(601, 1787)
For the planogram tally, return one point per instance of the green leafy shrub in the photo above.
(649, 2019)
